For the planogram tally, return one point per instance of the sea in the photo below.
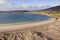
(8, 18)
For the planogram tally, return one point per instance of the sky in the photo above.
(27, 4)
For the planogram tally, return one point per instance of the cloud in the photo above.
(30, 5)
(24, 5)
(34, 7)
(19, 5)
(2, 1)
(9, 6)
(6, 5)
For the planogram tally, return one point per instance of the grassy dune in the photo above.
(48, 13)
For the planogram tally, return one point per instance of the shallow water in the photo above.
(20, 17)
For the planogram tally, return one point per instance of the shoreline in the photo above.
(28, 22)
(38, 13)
(18, 27)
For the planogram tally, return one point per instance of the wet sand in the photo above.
(17, 27)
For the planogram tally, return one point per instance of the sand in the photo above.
(17, 27)
(46, 30)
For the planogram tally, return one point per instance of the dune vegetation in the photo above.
(54, 14)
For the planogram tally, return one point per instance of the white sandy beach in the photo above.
(17, 27)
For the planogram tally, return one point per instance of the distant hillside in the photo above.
(56, 8)
(13, 11)
(53, 11)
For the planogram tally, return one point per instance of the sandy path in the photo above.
(16, 27)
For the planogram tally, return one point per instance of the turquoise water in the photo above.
(20, 17)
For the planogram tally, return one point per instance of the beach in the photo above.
(29, 19)
(46, 30)
(18, 27)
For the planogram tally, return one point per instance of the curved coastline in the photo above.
(19, 18)
(28, 22)
(23, 26)
(18, 27)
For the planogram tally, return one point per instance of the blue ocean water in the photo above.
(20, 17)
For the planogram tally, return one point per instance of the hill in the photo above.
(14, 11)
(56, 8)
(52, 11)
